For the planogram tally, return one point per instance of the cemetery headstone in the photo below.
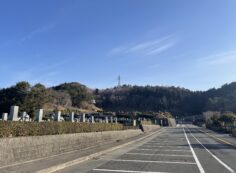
(58, 116)
(106, 119)
(111, 119)
(72, 115)
(14, 113)
(4, 116)
(39, 115)
(83, 118)
(134, 123)
(92, 118)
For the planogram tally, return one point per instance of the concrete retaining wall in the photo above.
(148, 128)
(171, 122)
(13, 150)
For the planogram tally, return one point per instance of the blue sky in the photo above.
(184, 43)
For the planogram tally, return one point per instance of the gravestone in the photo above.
(111, 119)
(4, 116)
(25, 117)
(83, 118)
(106, 119)
(92, 119)
(116, 120)
(14, 113)
(72, 115)
(58, 116)
(53, 117)
(134, 123)
(39, 115)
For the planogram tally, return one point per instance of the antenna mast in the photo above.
(119, 81)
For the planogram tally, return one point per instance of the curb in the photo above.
(85, 158)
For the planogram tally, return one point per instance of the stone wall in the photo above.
(19, 149)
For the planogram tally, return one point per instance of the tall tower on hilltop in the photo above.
(119, 81)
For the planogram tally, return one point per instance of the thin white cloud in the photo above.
(118, 50)
(151, 47)
(148, 45)
(41, 74)
(219, 59)
(38, 31)
(160, 49)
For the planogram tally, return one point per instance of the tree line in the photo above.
(29, 98)
(176, 100)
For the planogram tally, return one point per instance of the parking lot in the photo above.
(169, 152)
(179, 150)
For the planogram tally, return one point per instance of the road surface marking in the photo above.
(161, 150)
(153, 161)
(171, 155)
(157, 142)
(113, 170)
(161, 142)
(167, 146)
(217, 138)
(89, 157)
(168, 141)
(194, 155)
(214, 156)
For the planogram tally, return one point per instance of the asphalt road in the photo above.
(184, 149)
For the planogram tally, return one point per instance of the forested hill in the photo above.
(178, 101)
(173, 99)
(66, 96)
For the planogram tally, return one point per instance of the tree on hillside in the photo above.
(79, 93)
(36, 98)
(15, 95)
(23, 95)
(227, 119)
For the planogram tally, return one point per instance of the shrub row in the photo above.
(14, 129)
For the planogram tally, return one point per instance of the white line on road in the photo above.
(157, 142)
(214, 156)
(161, 150)
(113, 170)
(162, 142)
(153, 161)
(167, 146)
(194, 155)
(89, 157)
(168, 155)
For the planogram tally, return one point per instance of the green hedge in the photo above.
(14, 129)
